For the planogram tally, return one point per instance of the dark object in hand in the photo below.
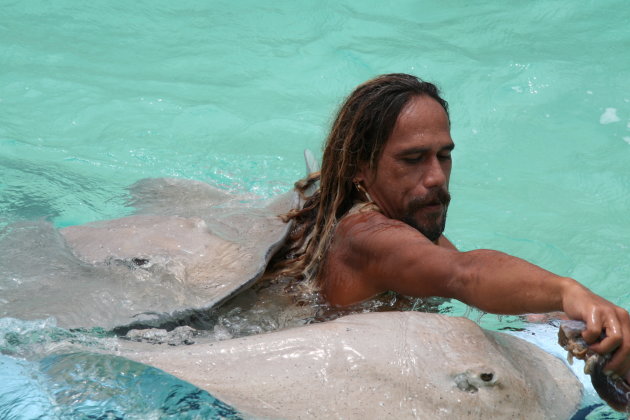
(612, 389)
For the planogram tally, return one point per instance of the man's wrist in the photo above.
(570, 289)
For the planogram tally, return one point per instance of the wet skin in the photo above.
(402, 249)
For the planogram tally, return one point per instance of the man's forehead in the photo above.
(422, 112)
(422, 125)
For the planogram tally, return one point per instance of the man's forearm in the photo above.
(500, 283)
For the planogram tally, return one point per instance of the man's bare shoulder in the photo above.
(371, 229)
(369, 237)
(369, 251)
(359, 240)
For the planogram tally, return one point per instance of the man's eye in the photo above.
(412, 159)
(444, 157)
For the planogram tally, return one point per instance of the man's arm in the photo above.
(372, 254)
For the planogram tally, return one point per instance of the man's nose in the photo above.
(434, 175)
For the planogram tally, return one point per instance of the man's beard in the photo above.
(431, 225)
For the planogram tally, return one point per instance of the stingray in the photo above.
(188, 248)
(375, 365)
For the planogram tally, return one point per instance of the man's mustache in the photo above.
(439, 196)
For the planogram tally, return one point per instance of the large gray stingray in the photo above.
(188, 248)
(378, 365)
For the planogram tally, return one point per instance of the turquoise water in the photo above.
(96, 96)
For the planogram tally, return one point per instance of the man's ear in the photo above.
(363, 175)
(363, 179)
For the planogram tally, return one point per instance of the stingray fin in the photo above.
(174, 196)
(311, 163)
(311, 166)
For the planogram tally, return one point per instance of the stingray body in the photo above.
(401, 365)
(188, 248)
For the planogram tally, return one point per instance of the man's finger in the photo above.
(611, 341)
(593, 330)
(620, 362)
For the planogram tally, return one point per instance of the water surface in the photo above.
(94, 97)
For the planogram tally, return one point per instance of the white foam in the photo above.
(626, 139)
(609, 116)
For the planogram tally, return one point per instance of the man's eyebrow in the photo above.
(413, 151)
(420, 150)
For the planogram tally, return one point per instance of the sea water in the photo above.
(95, 96)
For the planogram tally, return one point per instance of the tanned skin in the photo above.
(374, 252)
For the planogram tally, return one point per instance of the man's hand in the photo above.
(600, 317)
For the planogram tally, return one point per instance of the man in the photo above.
(375, 224)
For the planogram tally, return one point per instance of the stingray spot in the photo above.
(140, 261)
(486, 377)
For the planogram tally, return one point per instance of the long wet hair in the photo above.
(363, 124)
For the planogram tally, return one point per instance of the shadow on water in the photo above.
(45, 377)
(96, 386)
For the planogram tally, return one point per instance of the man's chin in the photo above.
(428, 220)
(432, 231)
(432, 234)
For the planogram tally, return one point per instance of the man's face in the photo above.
(411, 180)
